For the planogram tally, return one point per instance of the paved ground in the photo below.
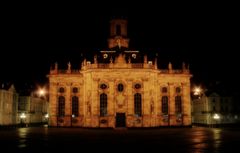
(192, 140)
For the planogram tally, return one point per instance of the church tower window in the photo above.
(118, 30)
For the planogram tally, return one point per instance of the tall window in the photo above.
(178, 104)
(61, 106)
(118, 30)
(75, 106)
(138, 104)
(165, 104)
(103, 104)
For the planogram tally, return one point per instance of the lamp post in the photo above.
(216, 117)
(22, 118)
(197, 91)
(46, 116)
(72, 117)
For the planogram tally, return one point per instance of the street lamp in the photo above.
(46, 116)
(197, 91)
(216, 117)
(72, 118)
(41, 92)
(22, 118)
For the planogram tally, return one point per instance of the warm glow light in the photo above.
(46, 116)
(197, 91)
(41, 92)
(23, 116)
(216, 116)
(73, 115)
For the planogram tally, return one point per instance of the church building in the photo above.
(119, 88)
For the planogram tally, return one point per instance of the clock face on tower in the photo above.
(105, 55)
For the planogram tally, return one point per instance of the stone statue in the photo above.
(69, 66)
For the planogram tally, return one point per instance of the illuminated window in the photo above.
(165, 104)
(75, 106)
(61, 106)
(120, 87)
(138, 104)
(75, 90)
(164, 90)
(178, 104)
(103, 104)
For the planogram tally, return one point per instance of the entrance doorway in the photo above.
(120, 120)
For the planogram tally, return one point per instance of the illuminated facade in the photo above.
(213, 108)
(119, 88)
(34, 108)
(8, 105)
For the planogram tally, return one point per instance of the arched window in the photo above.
(138, 104)
(165, 104)
(103, 104)
(75, 90)
(75, 106)
(164, 90)
(118, 30)
(120, 87)
(61, 106)
(178, 104)
(178, 90)
(61, 90)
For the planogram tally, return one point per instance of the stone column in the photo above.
(94, 102)
(53, 104)
(68, 105)
(186, 104)
(172, 117)
(130, 103)
(146, 102)
(111, 103)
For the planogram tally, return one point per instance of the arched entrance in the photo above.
(120, 120)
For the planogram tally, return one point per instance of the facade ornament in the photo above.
(152, 106)
(111, 60)
(95, 59)
(56, 66)
(169, 66)
(145, 59)
(69, 65)
(129, 60)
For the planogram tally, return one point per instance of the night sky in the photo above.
(204, 36)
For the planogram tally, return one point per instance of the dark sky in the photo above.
(202, 35)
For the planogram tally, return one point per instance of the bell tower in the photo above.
(118, 34)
